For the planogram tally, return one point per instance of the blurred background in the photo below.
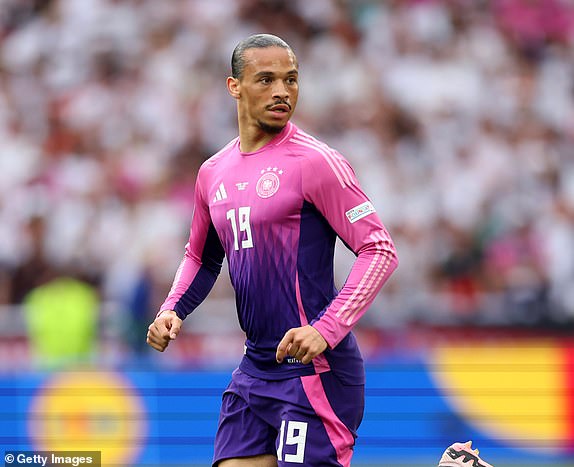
(458, 117)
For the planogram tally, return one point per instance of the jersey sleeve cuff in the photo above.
(179, 315)
(331, 329)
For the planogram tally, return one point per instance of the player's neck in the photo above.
(252, 137)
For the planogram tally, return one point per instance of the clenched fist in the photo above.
(164, 329)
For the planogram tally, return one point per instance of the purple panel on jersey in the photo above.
(316, 283)
(315, 261)
(261, 278)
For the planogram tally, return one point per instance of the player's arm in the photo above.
(340, 199)
(331, 185)
(195, 277)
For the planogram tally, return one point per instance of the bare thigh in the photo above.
(265, 460)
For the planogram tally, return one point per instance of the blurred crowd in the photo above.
(457, 115)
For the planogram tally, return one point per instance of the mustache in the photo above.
(279, 102)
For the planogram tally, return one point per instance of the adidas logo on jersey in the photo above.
(220, 193)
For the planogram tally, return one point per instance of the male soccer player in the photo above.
(273, 201)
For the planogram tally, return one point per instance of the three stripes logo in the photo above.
(220, 193)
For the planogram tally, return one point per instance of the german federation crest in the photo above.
(268, 183)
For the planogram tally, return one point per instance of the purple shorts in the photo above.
(309, 420)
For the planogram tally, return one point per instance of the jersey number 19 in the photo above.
(240, 223)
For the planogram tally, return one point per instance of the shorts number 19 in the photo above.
(296, 435)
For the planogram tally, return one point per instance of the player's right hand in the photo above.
(164, 329)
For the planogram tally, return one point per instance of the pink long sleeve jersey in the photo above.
(275, 213)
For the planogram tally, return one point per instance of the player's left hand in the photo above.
(303, 343)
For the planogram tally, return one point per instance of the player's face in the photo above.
(269, 88)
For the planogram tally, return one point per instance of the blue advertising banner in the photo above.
(416, 406)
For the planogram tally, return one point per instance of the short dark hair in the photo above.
(257, 41)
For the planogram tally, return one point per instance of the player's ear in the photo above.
(233, 87)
